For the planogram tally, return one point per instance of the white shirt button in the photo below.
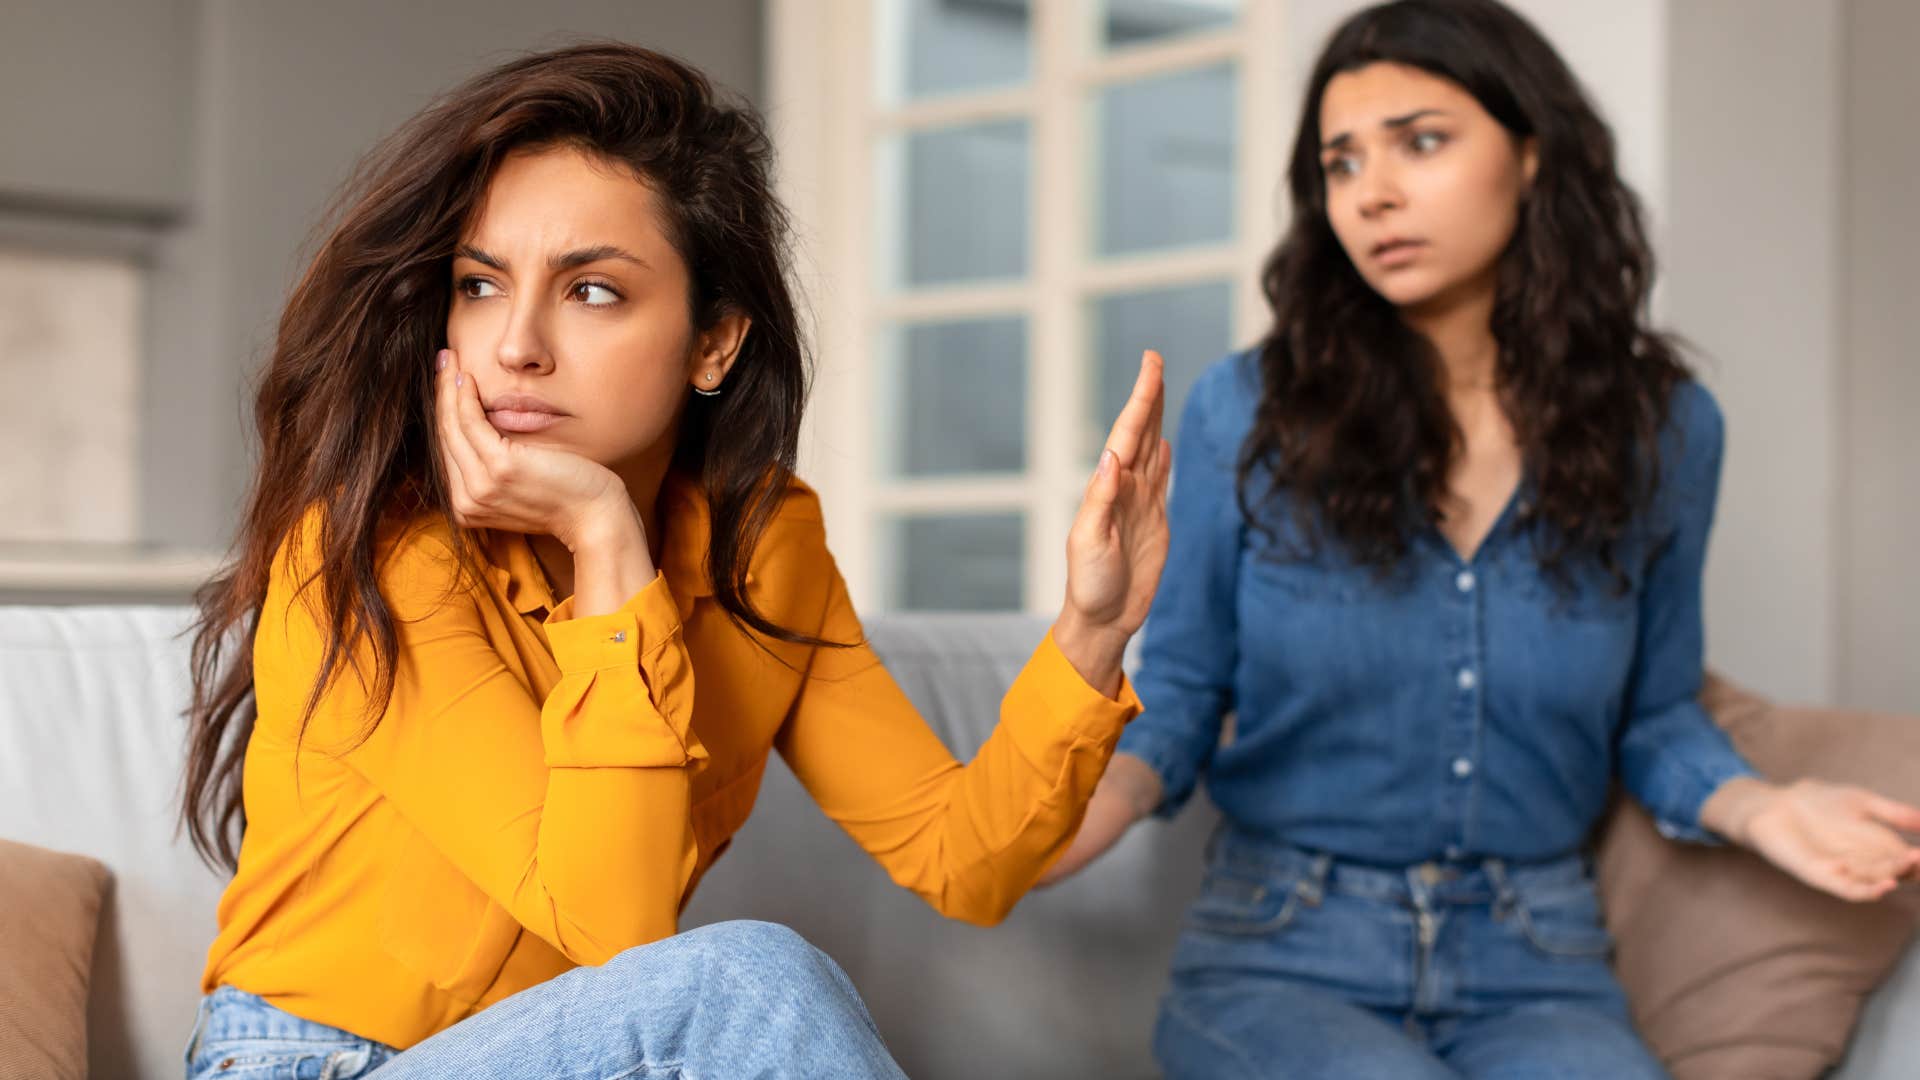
(1462, 768)
(1468, 679)
(1465, 581)
(619, 635)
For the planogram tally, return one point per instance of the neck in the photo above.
(1460, 326)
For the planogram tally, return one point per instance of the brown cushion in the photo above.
(49, 913)
(1734, 969)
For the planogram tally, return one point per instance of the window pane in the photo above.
(70, 374)
(1134, 22)
(1191, 326)
(962, 197)
(957, 562)
(931, 47)
(954, 398)
(1165, 162)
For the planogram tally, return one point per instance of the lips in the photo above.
(523, 413)
(1397, 251)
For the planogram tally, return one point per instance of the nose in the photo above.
(1378, 190)
(523, 347)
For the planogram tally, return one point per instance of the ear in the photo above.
(715, 350)
(1529, 161)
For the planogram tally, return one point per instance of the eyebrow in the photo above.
(1345, 138)
(565, 260)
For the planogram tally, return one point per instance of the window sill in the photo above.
(105, 576)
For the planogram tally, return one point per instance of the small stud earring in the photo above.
(705, 392)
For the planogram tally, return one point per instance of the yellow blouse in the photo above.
(545, 791)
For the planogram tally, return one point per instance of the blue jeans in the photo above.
(1298, 965)
(731, 1000)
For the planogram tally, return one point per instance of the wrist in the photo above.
(1137, 784)
(1095, 651)
(607, 525)
(1732, 807)
(610, 558)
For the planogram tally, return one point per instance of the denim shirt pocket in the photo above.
(1583, 590)
(1324, 576)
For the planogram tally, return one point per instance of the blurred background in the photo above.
(999, 204)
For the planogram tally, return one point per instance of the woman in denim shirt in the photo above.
(1435, 576)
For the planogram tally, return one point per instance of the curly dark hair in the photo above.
(344, 406)
(1353, 430)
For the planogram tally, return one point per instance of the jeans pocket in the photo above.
(279, 1059)
(1242, 905)
(1564, 921)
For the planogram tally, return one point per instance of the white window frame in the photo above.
(827, 117)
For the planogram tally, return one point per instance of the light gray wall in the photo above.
(1751, 248)
(1879, 641)
(94, 103)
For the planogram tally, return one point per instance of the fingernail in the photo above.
(440, 362)
(1107, 460)
(460, 379)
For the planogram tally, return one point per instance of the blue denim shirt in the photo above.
(1454, 710)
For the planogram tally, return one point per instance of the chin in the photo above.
(1407, 290)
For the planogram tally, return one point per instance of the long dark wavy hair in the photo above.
(344, 406)
(1353, 430)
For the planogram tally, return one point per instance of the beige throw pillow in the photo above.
(49, 915)
(1736, 971)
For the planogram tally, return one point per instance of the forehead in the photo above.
(1358, 102)
(561, 198)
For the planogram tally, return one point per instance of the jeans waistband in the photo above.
(231, 1013)
(1472, 881)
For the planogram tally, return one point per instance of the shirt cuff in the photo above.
(581, 644)
(1061, 692)
(1676, 802)
(625, 695)
(1168, 758)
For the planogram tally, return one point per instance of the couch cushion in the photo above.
(1736, 970)
(49, 914)
(91, 740)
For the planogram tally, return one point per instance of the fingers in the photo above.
(472, 416)
(451, 441)
(1869, 860)
(1141, 415)
(1150, 440)
(1848, 886)
(1839, 876)
(1897, 814)
(467, 472)
(1103, 491)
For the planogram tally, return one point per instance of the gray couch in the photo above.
(90, 743)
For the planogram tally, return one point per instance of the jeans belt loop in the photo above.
(1505, 899)
(1312, 887)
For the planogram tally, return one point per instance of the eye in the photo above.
(583, 291)
(1426, 142)
(468, 286)
(1340, 166)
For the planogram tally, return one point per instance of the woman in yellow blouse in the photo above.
(526, 592)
